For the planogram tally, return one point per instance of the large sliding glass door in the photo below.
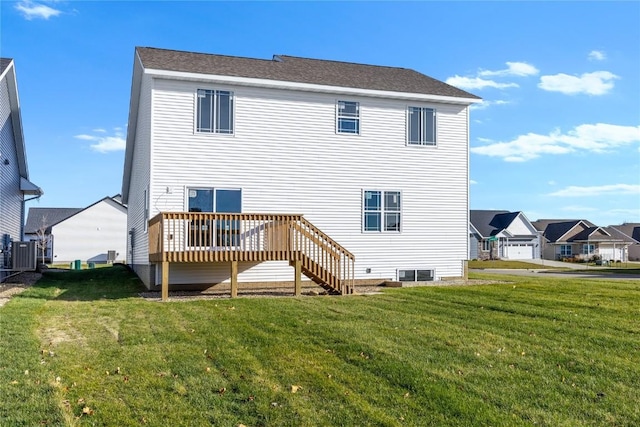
(228, 231)
(224, 233)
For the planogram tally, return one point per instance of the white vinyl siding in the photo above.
(10, 195)
(140, 181)
(287, 158)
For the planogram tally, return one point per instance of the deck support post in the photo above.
(298, 279)
(165, 280)
(234, 279)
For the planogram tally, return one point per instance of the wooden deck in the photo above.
(236, 237)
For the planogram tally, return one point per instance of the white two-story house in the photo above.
(249, 170)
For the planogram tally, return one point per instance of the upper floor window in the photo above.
(421, 126)
(215, 111)
(348, 117)
(381, 211)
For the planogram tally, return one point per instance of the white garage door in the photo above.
(519, 251)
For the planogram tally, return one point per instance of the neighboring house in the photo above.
(582, 240)
(631, 230)
(372, 157)
(502, 235)
(97, 233)
(15, 188)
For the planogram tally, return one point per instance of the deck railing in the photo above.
(222, 237)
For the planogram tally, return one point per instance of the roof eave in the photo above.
(136, 83)
(16, 118)
(307, 87)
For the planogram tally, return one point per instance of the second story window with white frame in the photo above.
(214, 111)
(381, 211)
(421, 126)
(348, 117)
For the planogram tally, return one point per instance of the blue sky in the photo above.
(558, 135)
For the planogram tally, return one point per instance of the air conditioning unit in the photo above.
(23, 256)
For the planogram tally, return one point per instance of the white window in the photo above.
(486, 245)
(588, 249)
(381, 211)
(415, 275)
(421, 126)
(214, 111)
(348, 117)
(565, 250)
(221, 233)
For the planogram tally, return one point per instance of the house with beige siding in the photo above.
(15, 187)
(632, 231)
(242, 170)
(582, 240)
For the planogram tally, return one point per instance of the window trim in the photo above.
(415, 274)
(356, 119)
(422, 142)
(215, 126)
(566, 253)
(145, 210)
(214, 192)
(590, 249)
(486, 245)
(382, 211)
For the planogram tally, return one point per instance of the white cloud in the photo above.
(597, 55)
(476, 83)
(521, 69)
(31, 10)
(471, 181)
(596, 83)
(105, 143)
(576, 208)
(102, 130)
(517, 69)
(598, 190)
(486, 104)
(631, 215)
(598, 138)
(110, 143)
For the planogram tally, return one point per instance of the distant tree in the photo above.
(43, 238)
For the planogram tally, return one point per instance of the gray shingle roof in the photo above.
(52, 216)
(300, 70)
(630, 229)
(4, 63)
(482, 221)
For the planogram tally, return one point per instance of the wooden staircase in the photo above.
(322, 258)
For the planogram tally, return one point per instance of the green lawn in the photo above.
(81, 348)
